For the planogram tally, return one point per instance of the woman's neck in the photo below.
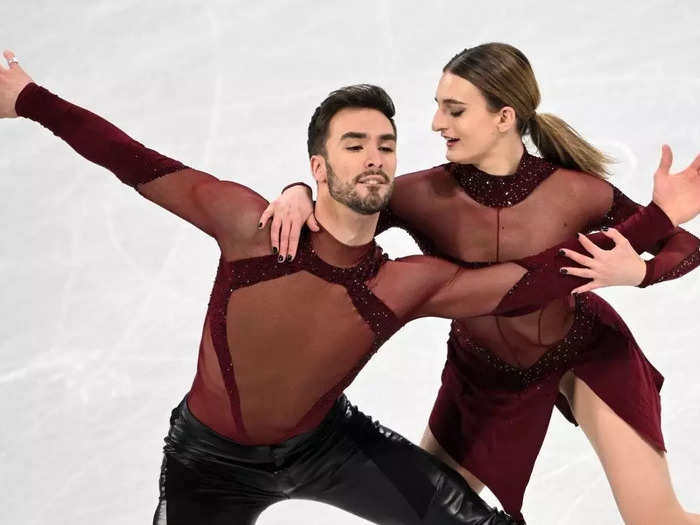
(503, 159)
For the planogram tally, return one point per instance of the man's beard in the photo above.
(346, 193)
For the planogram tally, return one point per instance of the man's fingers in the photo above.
(589, 245)
(265, 216)
(666, 159)
(585, 273)
(583, 260)
(312, 223)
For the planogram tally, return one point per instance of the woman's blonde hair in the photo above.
(505, 78)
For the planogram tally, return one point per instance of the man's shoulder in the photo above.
(222, 193)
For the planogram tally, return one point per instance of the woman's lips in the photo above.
(452, 142)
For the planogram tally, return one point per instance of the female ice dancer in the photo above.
(494, 202)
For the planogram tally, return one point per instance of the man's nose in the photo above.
(374, 158)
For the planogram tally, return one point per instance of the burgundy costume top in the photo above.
(501, 377)
(268, 369)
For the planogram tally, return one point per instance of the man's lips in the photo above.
(373, 180)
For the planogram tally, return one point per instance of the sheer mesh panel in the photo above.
(292, 340)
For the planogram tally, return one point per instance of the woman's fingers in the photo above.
(589, 245)
(275, 228)
(269, 212)
(312, 223)
(579, 258)
(586, 273)
(586, 287)
(616, 236)
(294, 233)
(284, 239)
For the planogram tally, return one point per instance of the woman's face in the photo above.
(464, 120)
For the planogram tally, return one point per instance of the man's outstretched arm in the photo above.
(163, 180)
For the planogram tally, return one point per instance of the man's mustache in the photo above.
(368, 173)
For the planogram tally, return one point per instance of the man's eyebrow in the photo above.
(353, 135)
(359, 135)
(451, 101)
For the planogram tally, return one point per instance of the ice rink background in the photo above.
(103, 293)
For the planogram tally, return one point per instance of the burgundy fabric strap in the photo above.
(93, 137)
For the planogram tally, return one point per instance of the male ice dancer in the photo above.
(265, 419)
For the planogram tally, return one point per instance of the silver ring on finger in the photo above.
(13, 60)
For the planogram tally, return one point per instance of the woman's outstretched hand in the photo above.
(289, 212)
(13, 79)
(678, 194)
(620, 266)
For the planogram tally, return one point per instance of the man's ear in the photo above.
(507, 119)
(318, 168)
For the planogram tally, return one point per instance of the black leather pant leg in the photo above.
(373, 472)
(190, 497)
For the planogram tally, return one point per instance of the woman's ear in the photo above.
(507, 119)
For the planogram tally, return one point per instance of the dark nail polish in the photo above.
(604, 228)
(260, 226)
(562, 252)
(289, 258)
(280, 259)
(274, 250)
(574, 293)
(563, 270)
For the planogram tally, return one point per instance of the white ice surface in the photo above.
(103, 294)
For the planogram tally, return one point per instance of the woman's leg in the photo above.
(430, 444)
(636, 470)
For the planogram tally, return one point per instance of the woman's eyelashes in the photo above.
(456, 113)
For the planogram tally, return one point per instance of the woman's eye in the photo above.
(387, 149)
(354, 148)
(456, 113)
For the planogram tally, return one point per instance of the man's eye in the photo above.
(354, 148)
(386, 149)
(456, 113)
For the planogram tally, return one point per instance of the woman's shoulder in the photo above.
(436, 180)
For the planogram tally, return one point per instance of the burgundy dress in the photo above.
(501, 377)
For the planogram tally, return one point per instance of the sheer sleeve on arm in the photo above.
(185, 192)
(524, 285)
(674, 255)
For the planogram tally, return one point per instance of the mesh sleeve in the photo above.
(674, 255)
(191, 194)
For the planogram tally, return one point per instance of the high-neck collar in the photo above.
(502, 191)
(337, 253)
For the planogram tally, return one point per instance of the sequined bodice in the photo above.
(502, 191)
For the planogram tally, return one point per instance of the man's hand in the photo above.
(620, 266)
(289, 212)
(678, 194)
(12, 81)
